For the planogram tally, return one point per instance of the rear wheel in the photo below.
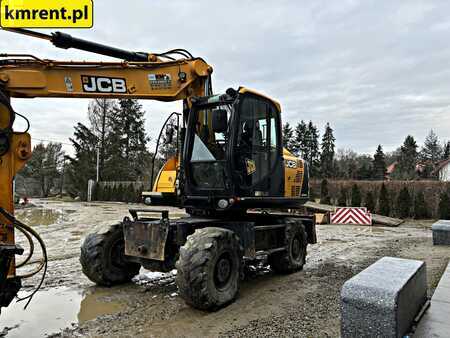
(209, 268)
(103, 257)
(294, 257)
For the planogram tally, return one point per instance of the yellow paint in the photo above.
(165, 182)
(10, 164)
(293, 174)
(46, 13)
(244, 90)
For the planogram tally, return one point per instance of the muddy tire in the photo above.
(103, 258)
(209, 268)
(294, 257)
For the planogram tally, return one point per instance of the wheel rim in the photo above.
(296, 248)
(118, 253)
(223, 271)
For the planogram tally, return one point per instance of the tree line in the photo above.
(407, 162)
(403, 202)
(115, 134)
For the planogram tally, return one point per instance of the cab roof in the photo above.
(243, 90)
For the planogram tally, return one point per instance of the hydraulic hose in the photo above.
(44, 263)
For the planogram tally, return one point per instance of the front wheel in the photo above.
(294, 257)
(103, 257)
(209, 268)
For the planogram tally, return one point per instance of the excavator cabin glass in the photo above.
(235, 148)
(208, 157)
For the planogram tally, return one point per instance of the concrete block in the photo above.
(441, 232)
(383, 300)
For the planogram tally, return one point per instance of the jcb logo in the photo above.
(94, 84)
(291, 164)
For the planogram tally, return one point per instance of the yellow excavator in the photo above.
(230, 173)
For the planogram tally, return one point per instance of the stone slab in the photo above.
(384, 299)
(436, 321)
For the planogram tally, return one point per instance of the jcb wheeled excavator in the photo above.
(230, 170)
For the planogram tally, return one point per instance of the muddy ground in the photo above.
(303, 304)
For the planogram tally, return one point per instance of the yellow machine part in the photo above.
(65, 79)
(10, 164)
(294, 173)
(165, 181)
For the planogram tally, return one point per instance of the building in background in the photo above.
(442, 170)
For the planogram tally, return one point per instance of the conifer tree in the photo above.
(324, 194)
(312, 154)
(420, 206)
(356, 196)
(82, 164)
(404, 203)
(299, 144)
(407, 160)
(384, 201)
(444, 206)
(431, 151)
(379, 164)
(342, 199)
(370, 202)
(288, 137)
(128, 140)
(327, 153)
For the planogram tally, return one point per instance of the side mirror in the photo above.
(219, 120)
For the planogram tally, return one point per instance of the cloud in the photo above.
(376, 70)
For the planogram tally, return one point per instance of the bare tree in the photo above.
(99, 113)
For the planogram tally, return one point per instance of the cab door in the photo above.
(257, 152)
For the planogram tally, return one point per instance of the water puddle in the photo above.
(53, 310)
(42, 216)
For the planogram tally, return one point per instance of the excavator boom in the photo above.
(170, 76)
(165, 81)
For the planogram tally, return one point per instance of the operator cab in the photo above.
(233, 155)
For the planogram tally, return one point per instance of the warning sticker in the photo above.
(251, 166)
(160, 81)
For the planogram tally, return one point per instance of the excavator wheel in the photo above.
(103, 257)
(294, 257)
(209, 268)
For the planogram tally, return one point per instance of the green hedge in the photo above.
(118, 192)
(404, 199)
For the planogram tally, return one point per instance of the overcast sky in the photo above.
(376, 70)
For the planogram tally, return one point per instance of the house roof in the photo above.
(390, 169)
(441, 165)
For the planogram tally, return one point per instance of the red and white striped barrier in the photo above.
(351, 216)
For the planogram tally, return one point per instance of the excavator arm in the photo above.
(138, 75)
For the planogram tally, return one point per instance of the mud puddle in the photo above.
(52, 310)
(43, 216)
